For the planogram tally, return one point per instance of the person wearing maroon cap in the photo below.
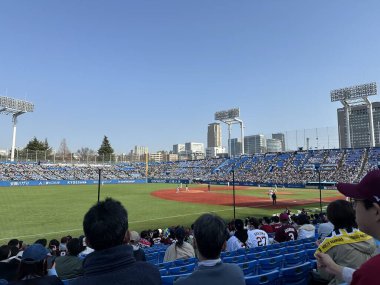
(366, 196)
(287, 232)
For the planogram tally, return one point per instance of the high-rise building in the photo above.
(359, 125)
(280, 137)
(255, 144)
(235, 147)
(274, 145)
(213, 152)
(214, 135)
(178, 148)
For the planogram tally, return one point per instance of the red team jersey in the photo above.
(286, 233)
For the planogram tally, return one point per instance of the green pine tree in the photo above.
(105, 149)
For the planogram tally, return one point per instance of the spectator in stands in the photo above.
(42, 241)
(70, 265)
(144, 239)
(286, 232)
(105, 226)
(33, 267)
(346, 245)
(8, 265)
(240, 237)
(210, 236)
(275, 223)
(53, 248)
(306, 230)
(180, 248)
(266, 227)
(256, 237)
(134, 241)
(63, 244)
(367, 208)
(324, 230)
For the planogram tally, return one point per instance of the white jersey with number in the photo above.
(257, 238)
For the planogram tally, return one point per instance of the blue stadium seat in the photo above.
(295, 248)
(249, 267)
(256, 255)
(152, 257)
(182, 269)
(184, 261)
(297, 275)
(169, 279)
(269, 278)
(310, 245)
(166, 265)
(256, 249)
(310, 253)
(293, 259)
(234, 259)
(270, 264)
(276, 252)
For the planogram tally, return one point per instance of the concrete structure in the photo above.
(157, 157)
(235, 147)
(359, 126)
(213, 152)
(281, 137)
(214, 135)
(255, 144)
(274, 145)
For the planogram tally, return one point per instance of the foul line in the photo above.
(133, 222)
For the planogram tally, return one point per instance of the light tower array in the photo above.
(14, 107)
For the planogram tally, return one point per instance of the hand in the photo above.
(326, 263)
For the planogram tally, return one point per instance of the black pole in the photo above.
(320, 190)
(100, 175)
(233, 190)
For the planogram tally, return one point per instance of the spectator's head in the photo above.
(366, 196)
(303, 220)
(13, 242)
(134, 238)
(239, 225)
(341, 214)
(210, 235)
(5, 252)
(54, 246)
(284, 218)
(266, 220)
(253, 222)
(180, 235)
(105, 224)
(33, 261)
(74, 247)
(275, 219)
(42, 241)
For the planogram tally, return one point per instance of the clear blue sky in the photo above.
(153, 73)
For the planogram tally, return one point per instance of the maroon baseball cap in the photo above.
(368, 188)
(284, 217)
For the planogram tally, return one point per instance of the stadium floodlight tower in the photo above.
(354, 96)
(14, 107)
(231, 117)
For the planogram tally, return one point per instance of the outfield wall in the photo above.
(68, 182)
(133, 181)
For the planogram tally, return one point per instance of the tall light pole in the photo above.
(233, 190)
(16, 108)
(317, 167)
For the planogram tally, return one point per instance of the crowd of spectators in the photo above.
(348, 165)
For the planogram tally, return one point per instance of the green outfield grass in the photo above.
(30, 213)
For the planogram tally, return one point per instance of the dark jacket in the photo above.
(68, 266)
(9, 270)
(117, 265)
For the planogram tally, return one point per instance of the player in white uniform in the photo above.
(256, 237)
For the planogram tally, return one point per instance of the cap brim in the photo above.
(350, 190)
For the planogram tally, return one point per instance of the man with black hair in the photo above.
(105, 226)
(210, 235)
